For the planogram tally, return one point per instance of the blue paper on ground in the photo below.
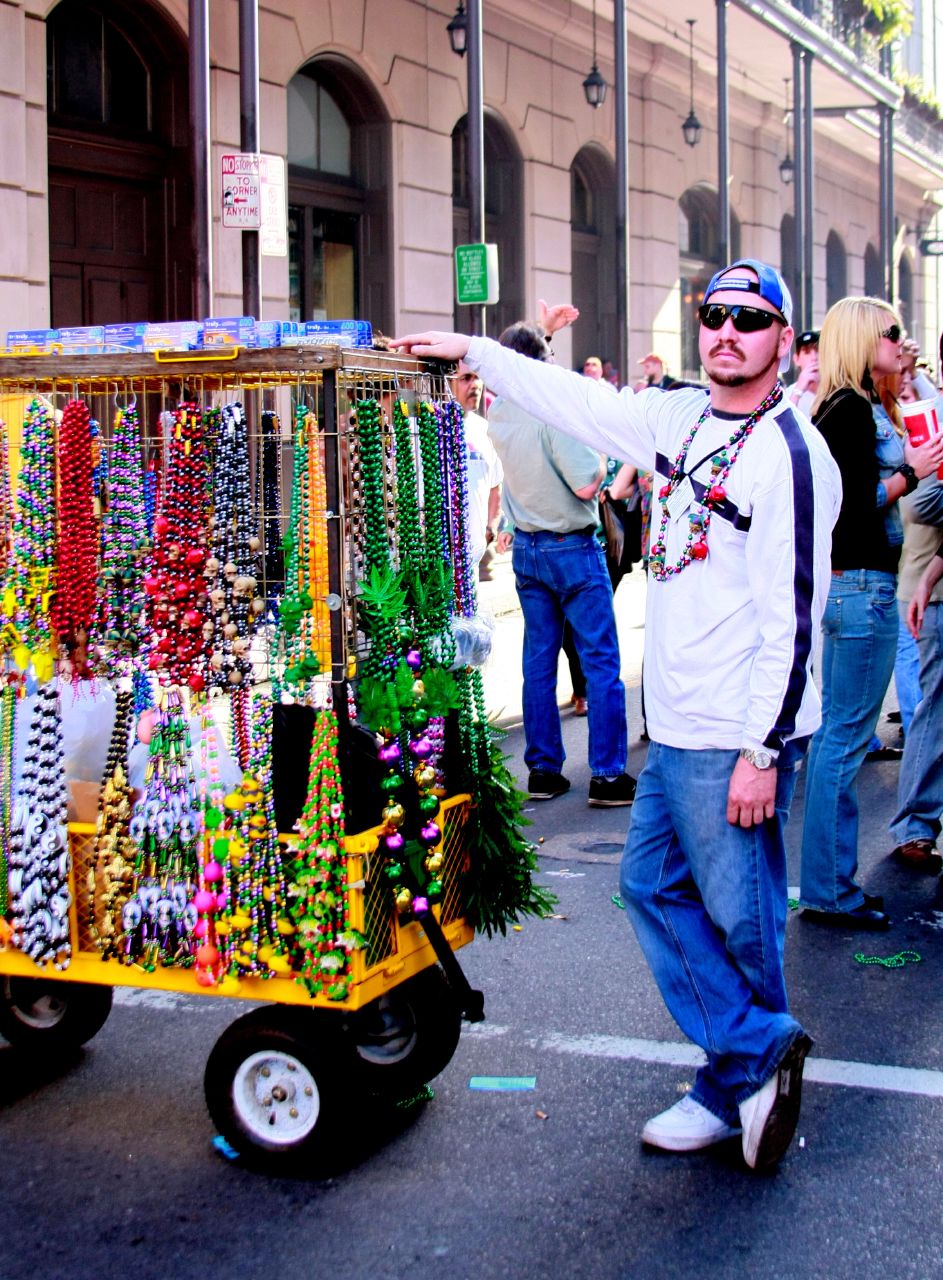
(503, 1084)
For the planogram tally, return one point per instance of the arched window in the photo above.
(120, 202)
(592, 253)
(905, 292)
(338, 184)
(873, 275)
(836, 269)
(787, 254)
(504, 203)
(699, 253)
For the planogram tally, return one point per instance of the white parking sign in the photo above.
(242, 205)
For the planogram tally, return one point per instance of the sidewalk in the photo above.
(502, 671)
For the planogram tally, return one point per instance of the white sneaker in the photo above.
(769, 1116)
(687, 1126)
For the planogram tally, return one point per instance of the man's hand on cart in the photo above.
(434, 344)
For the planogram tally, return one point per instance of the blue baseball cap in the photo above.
(769, 284)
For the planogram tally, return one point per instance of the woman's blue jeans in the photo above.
(860, 630)
(708, 904)
(563, 576)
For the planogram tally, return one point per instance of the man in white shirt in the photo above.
(746, 494)
(803, 390)
(484, 466)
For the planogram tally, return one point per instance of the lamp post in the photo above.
(787, 170)
(458, 30)
(594, 86)
(691, 129)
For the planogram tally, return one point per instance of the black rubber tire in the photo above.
(294, 1051)
(51, 1014)
(407, 1036)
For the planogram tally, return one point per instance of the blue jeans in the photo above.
(906, 671)
(920, 787)
(860, 643)
(708, 904)
(563, 576)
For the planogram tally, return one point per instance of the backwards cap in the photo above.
(769, 285)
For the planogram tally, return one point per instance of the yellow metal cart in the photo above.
(279, 1079)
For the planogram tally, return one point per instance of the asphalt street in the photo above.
(109, 1167)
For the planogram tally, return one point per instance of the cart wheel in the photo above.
(408, 1035)
(273, 1086)
(51, 1014)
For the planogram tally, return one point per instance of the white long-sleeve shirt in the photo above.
(729, 640)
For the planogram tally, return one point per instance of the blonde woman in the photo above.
(860, 342)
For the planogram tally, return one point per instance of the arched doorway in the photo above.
(699, 258)
(836, 269)
(120, 192)
(338, 196)
(504, 203)
(592, 255)
(873, 275)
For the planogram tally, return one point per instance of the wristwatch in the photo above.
(759, 759)
(910, 476)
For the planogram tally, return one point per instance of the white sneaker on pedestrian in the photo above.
(769, 1116)
(687, 1126)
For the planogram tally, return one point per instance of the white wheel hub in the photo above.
(276, 1098)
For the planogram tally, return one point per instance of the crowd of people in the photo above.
(780, 524)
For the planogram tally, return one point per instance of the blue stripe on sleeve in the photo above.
(803, 518)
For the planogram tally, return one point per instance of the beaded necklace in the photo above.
(699, 513)
(255, 927)
(166, 825)
(6, 505)
(120, 631)
(456, 462)
(269, 503)
(324, 938)
(39, 860)
(231, 569)
(110, 875)
(78, 538)
(175, 585)
(8, 702)
(26, 629)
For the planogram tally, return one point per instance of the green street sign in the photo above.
(476, 275)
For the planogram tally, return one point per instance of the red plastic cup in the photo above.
(921, 422)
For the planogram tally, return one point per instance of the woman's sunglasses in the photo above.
(893, 334)
(745, 319)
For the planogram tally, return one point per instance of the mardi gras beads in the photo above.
(39, 844)
(120, 628)
(112, 870)
(78, 538)
(26, 628)
(166, 825)
(8, 701)
(6, 504)
(269, 503)
(232, 567)
(699, 515)
(318, 875)
(174, 585)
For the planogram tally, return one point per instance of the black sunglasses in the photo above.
(745, 319)
(893, 334)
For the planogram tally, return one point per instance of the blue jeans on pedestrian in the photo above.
(563, 576)
(858, 652)
(708, 904)
(920, 786)
(906, 671)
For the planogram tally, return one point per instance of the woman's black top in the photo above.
(859, 539)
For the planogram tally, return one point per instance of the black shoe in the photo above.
(893, 717)
(543, 784)
(884, 753)
(869, 919)
(607, 793)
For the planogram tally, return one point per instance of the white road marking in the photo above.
(919, 1081)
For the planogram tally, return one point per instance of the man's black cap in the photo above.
(808, 338)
